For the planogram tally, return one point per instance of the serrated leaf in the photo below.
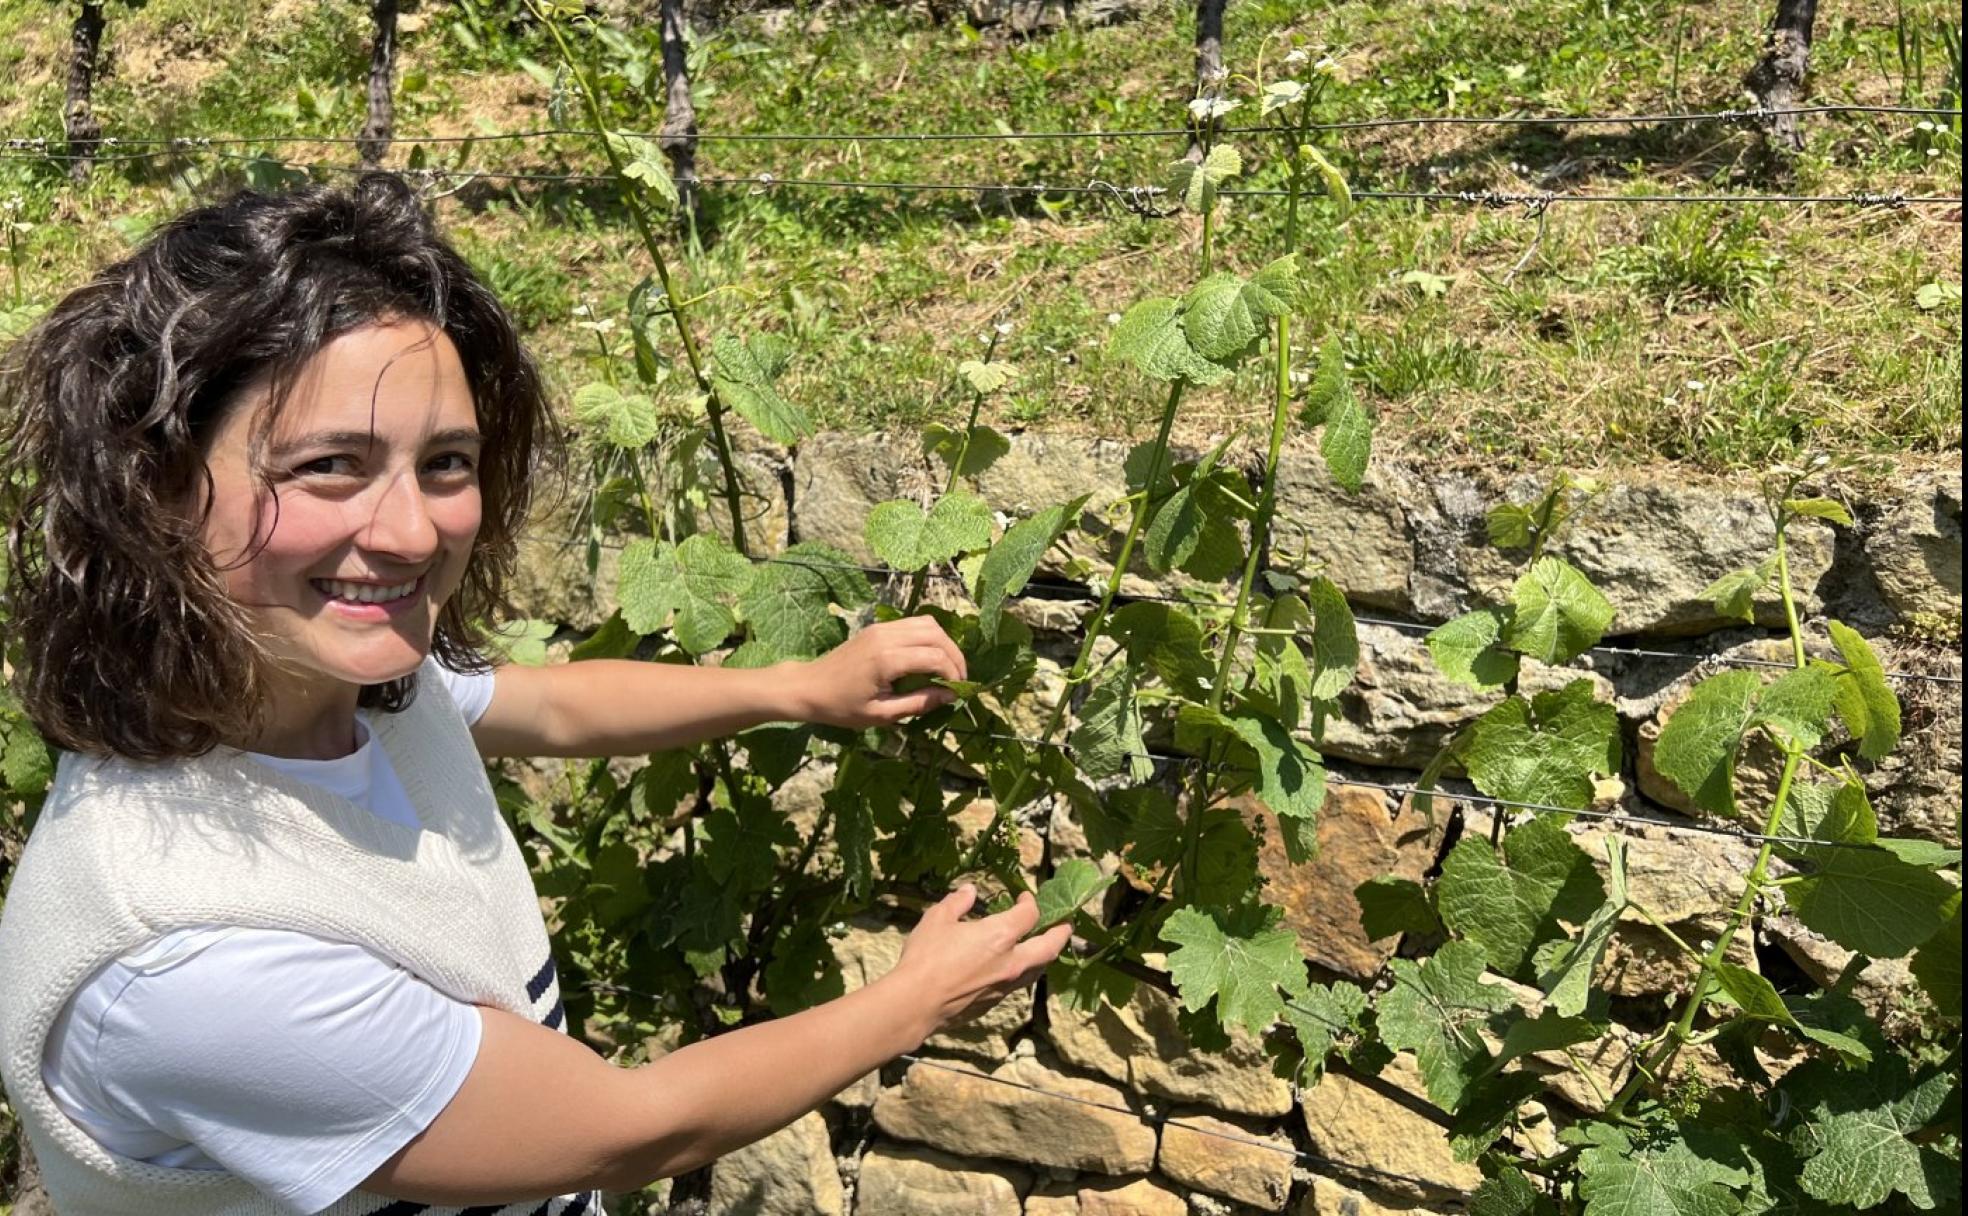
(1010, 563)
(1163, 639)
(1290, 779)
(1238, 959)
(1508, 1193)
(1335, 638)
(1836, 1021)
(1926, 854)
(1469, 649)
(1197, 184)
(623, 420)
(642, 162)
(1108, 738)
(1820, 508)
(1544, 751)
(1347, 442)
(1510, 525)
(524, 642)
(1279, 94)
(1753, 994)
(1330, 177)
(1390, 906)
(1557, 613)
(1321, 1015)
(1663, 1176)
(1150, 336)
(743, 375)
(614, 640)
(1437, 1009)
(902, 535)
(1798, 705)
(1509, 910)
(26, 762)
(1835, 814)
(986, 377)
(987, 446)
(1734, 594)
(1870, 901)
(1195, 530)
(1937, 964)
(1224, 315)
(1564, 968)
(1879, 734)
(1855, 1128)
(787, 599)
(1697, 748)
(1072, 883)
(1550, 1030)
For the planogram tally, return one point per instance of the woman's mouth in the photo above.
(369, 600)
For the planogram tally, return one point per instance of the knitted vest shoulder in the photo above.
(124, 852)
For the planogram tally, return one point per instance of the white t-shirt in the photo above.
(297, 1063)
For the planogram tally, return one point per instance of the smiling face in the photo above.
(351, 525)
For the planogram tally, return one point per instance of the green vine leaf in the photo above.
(1239, 959)
(524, 642)
(1290, 780)
(1557, 613)
(1195, 530)
(1150, 336)
(1391, 906)
(1937, 965)
(1437, 1009)
(1544, 751)
(1798, 705)
(1856, 1126)
(689, 588)
(987, 447)
(1197, 185)
(1870, 901)
(743, 375)
(1108, 739)
(1011, 561)
(1835, 814)
(1564, 968)
(1469, 649)
(1510, 909)
(614, 640)
(1330, 177)
(1754, 995)
(902, 535)
(1163, 639)
(1734, 594)
(1335, 638)
(1225, 315)
(1072, 884)
(25, 761)
(623, 420)
(1871, 710)
(1820, 508)
(1508, 1193)
(1347, 442)
(643, 163)
(1321, 1016)
(986, 377)
(787, 600)
(1697, 748)
(1664, 1176)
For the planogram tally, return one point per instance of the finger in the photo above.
(1017, 920)
(918, 660)
(893, 707)
(1033, 955)
(954, 906)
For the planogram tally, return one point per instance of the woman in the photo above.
(271, 947)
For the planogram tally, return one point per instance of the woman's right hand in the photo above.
(961, 968)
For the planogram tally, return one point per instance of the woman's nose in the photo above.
(400, 521)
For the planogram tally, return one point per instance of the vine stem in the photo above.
(1158, 457)
(1678, 1034)
(674, 307)
(921, 582)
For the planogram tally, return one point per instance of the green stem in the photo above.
(1647, 915)
(1157, 460)
(1209, 231)
(1789, 601)
(921, 582)
(713, 405)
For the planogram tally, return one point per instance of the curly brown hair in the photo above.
(126, 642)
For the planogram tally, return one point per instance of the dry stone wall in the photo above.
(1161, 1125)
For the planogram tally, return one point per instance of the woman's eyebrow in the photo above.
(364, 439)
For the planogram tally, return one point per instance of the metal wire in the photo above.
(1536, 201)
(795, 137)
(1086, 595)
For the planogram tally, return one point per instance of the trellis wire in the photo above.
(1535, 201)
(1084, 594)
(1362, 124)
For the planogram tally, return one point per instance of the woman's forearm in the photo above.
(718, 1094)
(616, 707)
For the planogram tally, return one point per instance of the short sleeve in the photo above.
(298, 1064)
(472, 691)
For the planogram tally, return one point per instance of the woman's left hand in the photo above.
(852, 685)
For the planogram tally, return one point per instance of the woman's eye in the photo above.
(451, 462)
(326, 466)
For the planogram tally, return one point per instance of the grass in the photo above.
(1575, 338)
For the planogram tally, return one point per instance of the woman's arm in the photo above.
(607, 707)
(540, 1114)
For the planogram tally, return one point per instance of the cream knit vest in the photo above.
(124, 852)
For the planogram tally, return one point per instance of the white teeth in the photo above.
(365, 593)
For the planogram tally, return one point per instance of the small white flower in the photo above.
(1299, 55)
(1696, 386)
(581, 310)
(1004, 328)
(1113, 318)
